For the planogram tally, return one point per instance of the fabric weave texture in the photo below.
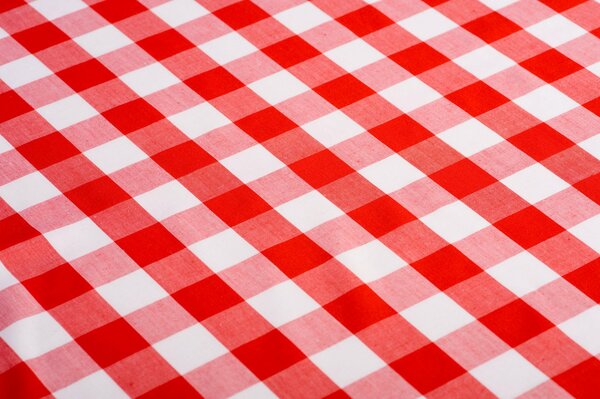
(280, 198)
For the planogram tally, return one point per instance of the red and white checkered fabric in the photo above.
(392, 198)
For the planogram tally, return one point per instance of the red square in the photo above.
(165, 44)
(365, 20)
(381, 216)
(492, 27)
(40, 37)
(116, 10)
(176, 388)
(48, 150)
(112, 342)
(265, 124)
(15, 230)
(57, 286)
(583, 380)
(551, 65)
(241, 14)
(400, 133)
(237, 205)
(427, 368)
(419, 58)
(20, 382)
(183, 159)
(10, 4)
(561, 5)
(359, 308)
(151, 244)
(477, 98)
(344, 91)
(446, 267)
(97, 195)
(291, 51)
(516, 322)
(214, 83)
(132, 116)
(17, 106)
(594, 105)
(85, 75)
(207, 297)
(590, 187)
(587, 279)
(321, 168)
(528, 227)
(463, 178)
(541, 142)
(285, 255)
(269, 354)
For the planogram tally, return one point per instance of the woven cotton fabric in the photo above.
(278, 198)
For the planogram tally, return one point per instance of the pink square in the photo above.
(361, 111)
(351, 192)
(380, 384)
(123, 219)
(46, 258)
(225, 141)
(84, 313)
(24, 128)
(160, 320)
(221, 377)
(141, 177)
(269, 187)
(472, 345)
(306, 108)
(328, 281)
(339, 235)
(403, 288)
(480, 295)
(502, 160)
(178, 271)
(252, 276)
(568, 207)
(413, 241)
(266, 230)
(447, 78)
(488, 247)
(558, 301)
(206, 223)
(439, 115)
(104, 265)
(380, 74)
(16, 167)
(361, 151)
(514, 82)
(303, 379)
(464, 384)
(145, 138)
(411, 197)
(52, 214)
(225, 326)
(315, 332)
(106, 96)
(563, 253)
(44, 91)
(63, 366)
(20, 302)
(577, 125)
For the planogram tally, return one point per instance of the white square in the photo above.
(6, 277)
(67, 112)
(167, 200)
(178, 12)
(556, 30)
(227, 48)
(437, 316)
(470, 137)
(149, 79)
(333, 128)
(27, 191)
(278, 87)
(427, 24)
(410, 94)
(131, 292)
(347, 361)
(25, 70)
(103, 40)
(509, 375)
(535, 183)
(591, 145)
(546, 102)
(371, 261)
(35, 335)
(199, 120)
(522, 273)
(588, 232)
(354, 55)
(189, 349)
(115, 155)
(454, 221)
(4, 145)
(302, 17)
(497, 4)
(584, 329)
(283, 303)
(309, 211)
(3, 33)
(77, 239)
(391, 174)
(252, 163)
(258, 390)
(223, 250)
(594, 68)
(94, 386)
(52, 9)
(483, 62)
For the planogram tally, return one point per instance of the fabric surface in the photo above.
(335, 198)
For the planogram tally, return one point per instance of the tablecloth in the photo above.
(279, 198)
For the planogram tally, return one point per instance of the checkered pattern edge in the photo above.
(277, 198)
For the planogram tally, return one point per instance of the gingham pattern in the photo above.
(294, 199)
